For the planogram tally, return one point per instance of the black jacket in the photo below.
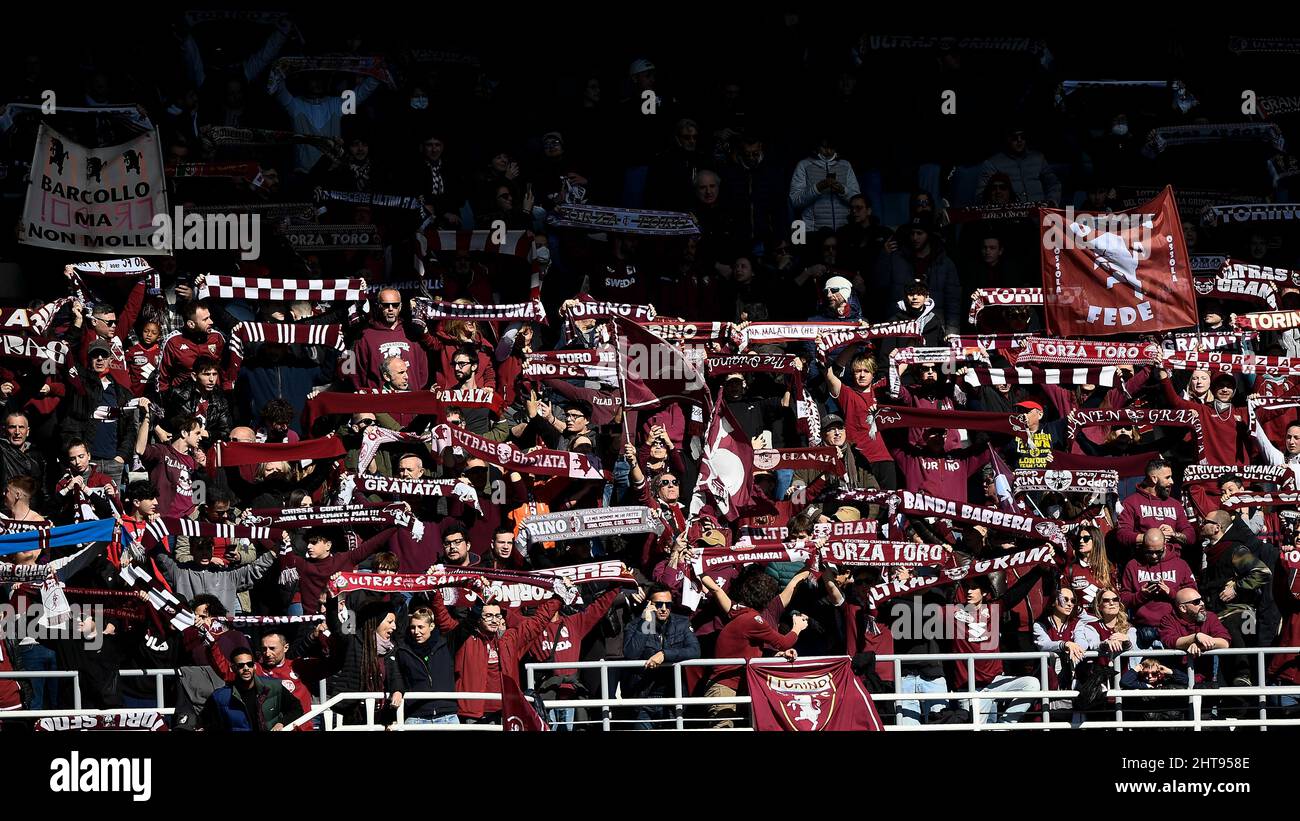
(428, 667)
(77, 412)
(185, 398)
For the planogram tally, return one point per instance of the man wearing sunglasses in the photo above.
(388, 336)
(488, 649)
(1193, 628)
(109, 328)
(660, 638)
(250, 704)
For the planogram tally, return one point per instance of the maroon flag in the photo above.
(653, 371)
(1002, 483)
(727, 467)
(1121, 273)
(518, 713)
(810, 696)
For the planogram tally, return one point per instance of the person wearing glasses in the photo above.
(1191, 627)
(106, 326)
(1149, 584)
(388, 336)
(1106, 628)
(1089, 571)
(488, 649)
(1055, 633)
(660, 638)
(250, 703)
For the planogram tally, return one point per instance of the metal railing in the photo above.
(678, 702)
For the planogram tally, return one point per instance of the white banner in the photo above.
(101, 200)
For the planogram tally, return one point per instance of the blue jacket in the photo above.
(227, 709)
(677, 641)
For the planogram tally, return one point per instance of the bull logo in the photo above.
(131, 159)
(1058, 480)
(1111, 253)
(887, 416)
(1050, 531)
(805, 708)
(94, 168)
(57, 154)
(1204, 285)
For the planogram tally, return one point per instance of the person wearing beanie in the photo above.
(923, 257)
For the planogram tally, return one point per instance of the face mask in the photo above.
(1119, 129)
(419, 103)
(1221, 406)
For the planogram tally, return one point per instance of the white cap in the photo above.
(640, 65)
(838, 284)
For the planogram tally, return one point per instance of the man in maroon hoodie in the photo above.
(561, 640)
(1150, 583)
(388, 336)
(1151, 507)
(933, 469)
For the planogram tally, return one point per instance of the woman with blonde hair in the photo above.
(1106, 629)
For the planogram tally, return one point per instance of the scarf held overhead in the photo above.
(589, 523)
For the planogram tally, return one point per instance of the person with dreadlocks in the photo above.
(368, 662)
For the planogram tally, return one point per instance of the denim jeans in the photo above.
(909, 712)
(561, 719)
(45, 691)
(114, 470)
(783, 479)
(1017, 709)
(652, 718)
(449, 719)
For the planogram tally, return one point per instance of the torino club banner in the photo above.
(1121, 273)
(809, 696)
(94, 199)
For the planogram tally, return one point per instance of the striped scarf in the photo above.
(1092, 375)
(284, 334)
(986, 297)
(160, 530)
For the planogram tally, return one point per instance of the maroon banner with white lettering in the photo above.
(1121, 273)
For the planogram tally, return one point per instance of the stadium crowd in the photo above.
(178, 401)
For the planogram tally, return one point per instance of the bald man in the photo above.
(1192, 627)
(1150, 582)
(388, 336)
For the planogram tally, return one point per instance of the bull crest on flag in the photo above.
(726, 468)
(807, 704)
(1126, 272)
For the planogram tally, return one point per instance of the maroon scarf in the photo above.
(900, 416)
(235, 454)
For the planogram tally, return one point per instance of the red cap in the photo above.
(1030, 404)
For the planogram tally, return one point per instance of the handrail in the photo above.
(679, 701)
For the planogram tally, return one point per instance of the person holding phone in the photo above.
(1150, 583)
(822, 186)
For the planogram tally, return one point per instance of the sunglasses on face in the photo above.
(1196, 602)
(242, 665)
(662, 605)
(1110, 600)
(391, 304)
(668, 483)
(1085, 537)
(107, 321)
